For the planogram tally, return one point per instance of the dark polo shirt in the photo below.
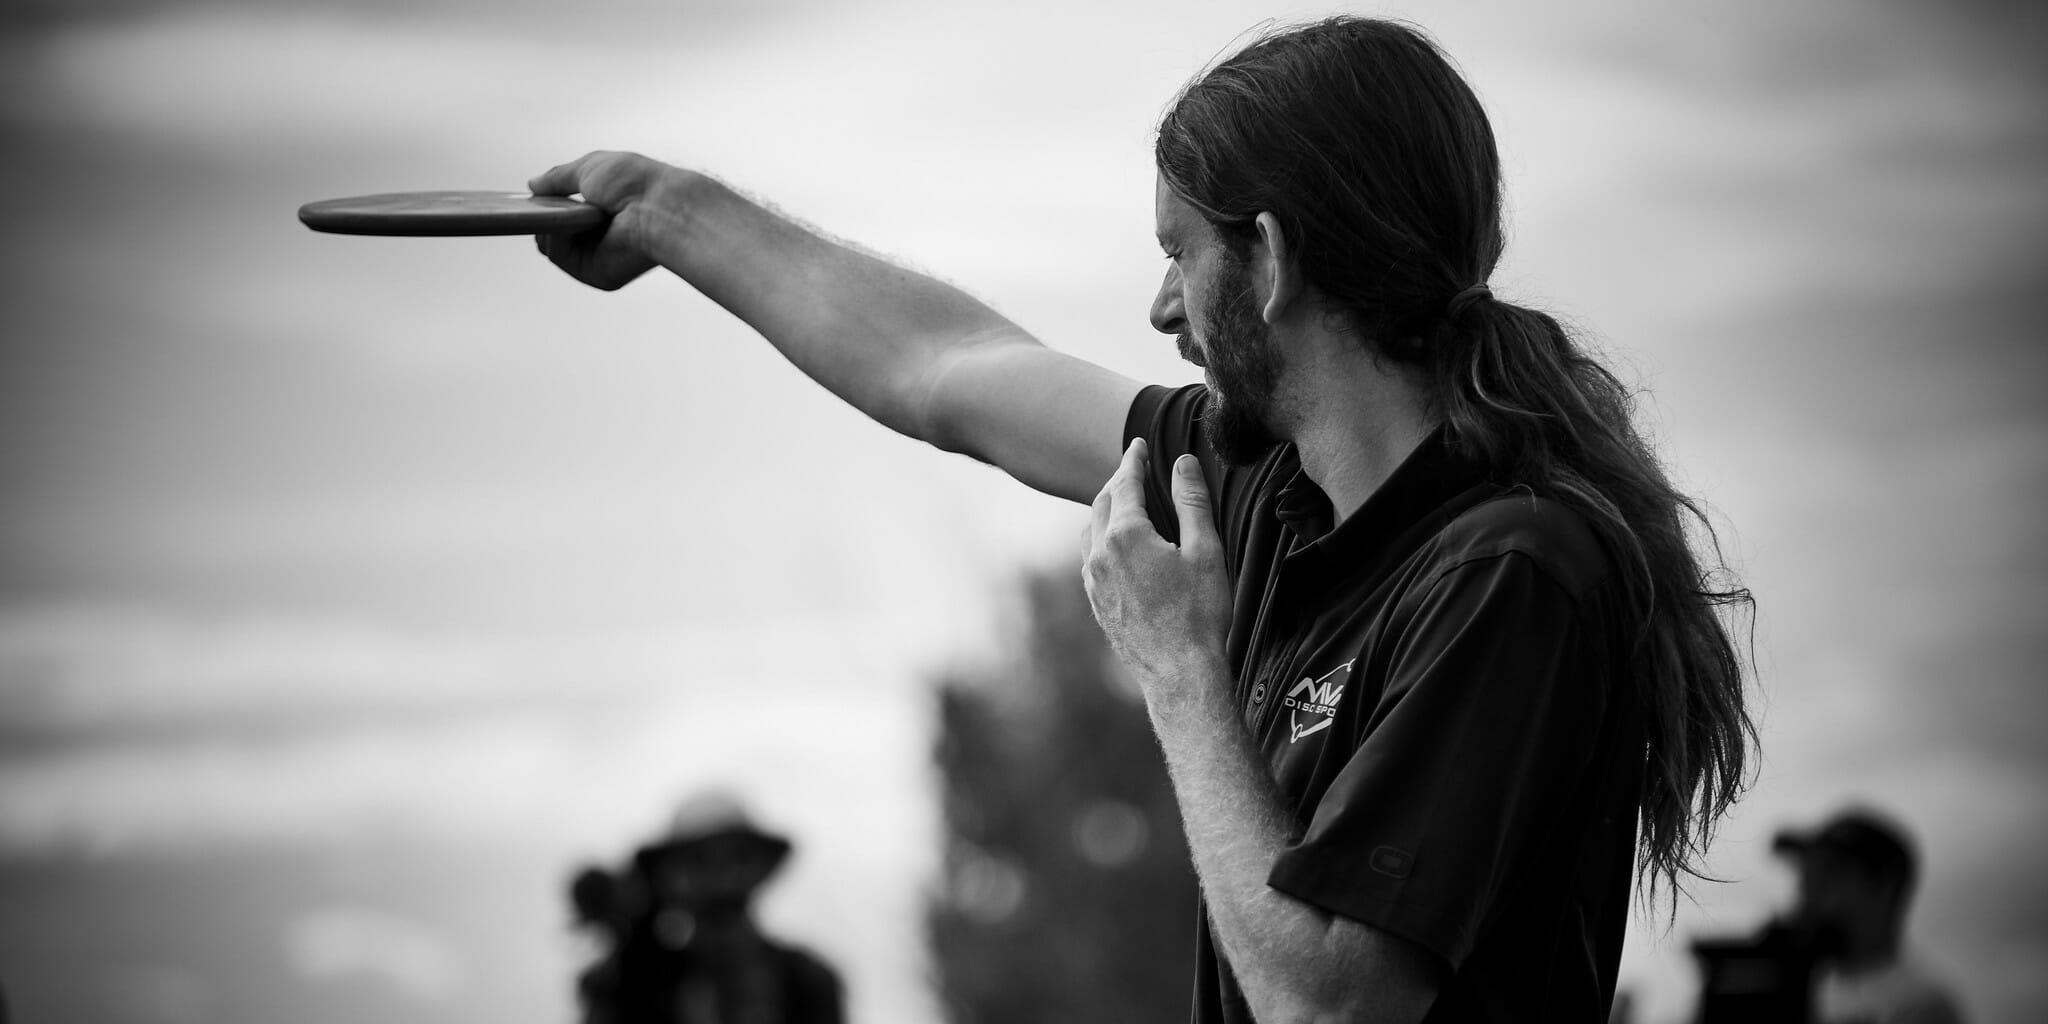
(1440, 687)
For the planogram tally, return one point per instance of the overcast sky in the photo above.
(315, 543)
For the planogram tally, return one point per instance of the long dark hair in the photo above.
(1378, 162)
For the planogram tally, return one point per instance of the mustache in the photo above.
(1185, 342)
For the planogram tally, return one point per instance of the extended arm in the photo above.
(1165, 610)
(914, 353)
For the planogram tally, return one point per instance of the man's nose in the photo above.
(1168, 316)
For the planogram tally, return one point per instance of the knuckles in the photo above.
(1121, 535)
(1200, 554)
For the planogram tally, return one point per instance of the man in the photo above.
(1411, 604)
(1856, 876)
(685, 948)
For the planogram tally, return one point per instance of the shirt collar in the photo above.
(1429, 478)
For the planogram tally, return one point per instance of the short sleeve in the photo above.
(1486, 727)
(1170, 421)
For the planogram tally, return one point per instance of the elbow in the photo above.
(1312, 989)
(1324, 1004)
(1348, 1007)
(1356, 974)
(1330, 1008)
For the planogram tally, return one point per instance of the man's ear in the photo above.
(1276, 265)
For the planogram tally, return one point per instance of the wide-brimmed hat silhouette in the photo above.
(713, 826)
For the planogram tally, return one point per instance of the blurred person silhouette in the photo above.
(684, 945)
(603, 904)
(1762, 978)
(1836, 955)
(1856, 874)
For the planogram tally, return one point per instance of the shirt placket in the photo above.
(1276, 640)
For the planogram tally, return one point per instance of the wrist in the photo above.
(1194, 686)
(659, 218)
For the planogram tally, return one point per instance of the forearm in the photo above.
(1236, 828)
(874, 333)
(1294, 961)
(1165, 609)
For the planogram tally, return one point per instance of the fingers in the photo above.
(1193, 507)
(1123, 491)
(1113, 504)
(561, 250)
(1126, 487)
(1098, 515)
(603, 169)
(561, 179)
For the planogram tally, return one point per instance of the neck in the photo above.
(1869, 947)
(1354, 423)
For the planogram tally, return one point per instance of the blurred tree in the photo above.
(1067, 892)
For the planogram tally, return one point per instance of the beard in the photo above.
(1243, 372)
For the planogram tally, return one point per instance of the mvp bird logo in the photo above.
(1312, 703)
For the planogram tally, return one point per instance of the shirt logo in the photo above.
(1312, 703)
(1391, 861)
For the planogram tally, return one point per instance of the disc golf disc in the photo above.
(441, 214)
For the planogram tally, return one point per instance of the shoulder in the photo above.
(1551, 536)
(1904, 991)
(1159, 407)
(1920, 988)
(809, 966)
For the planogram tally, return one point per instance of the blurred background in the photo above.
(354, 590)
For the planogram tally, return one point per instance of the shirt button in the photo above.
(1259, 692)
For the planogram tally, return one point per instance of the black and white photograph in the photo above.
(808, 512)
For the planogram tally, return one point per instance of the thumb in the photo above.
(559, 180)
(1191, 501)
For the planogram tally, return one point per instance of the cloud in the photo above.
(344, 943)
(156, 994)
(128, 731)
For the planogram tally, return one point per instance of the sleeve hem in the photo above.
(1439, 938)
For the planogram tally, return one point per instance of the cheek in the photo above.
(1194, 302)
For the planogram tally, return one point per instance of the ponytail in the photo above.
(1518, 393)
